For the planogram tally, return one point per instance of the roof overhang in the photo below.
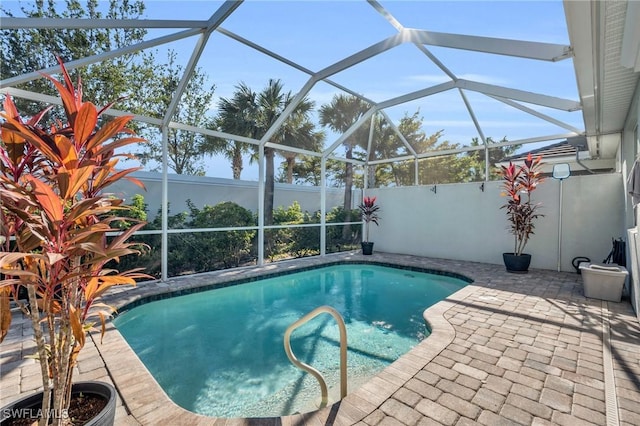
(606, 87)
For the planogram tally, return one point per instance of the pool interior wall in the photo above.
(220, 385)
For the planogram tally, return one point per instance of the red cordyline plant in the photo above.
(54, 220)
(518, 182)
(369, 211)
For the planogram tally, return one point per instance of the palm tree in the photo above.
(236, 116)
(271, 102)
(300, 132)
(251, 114)
(339, 115)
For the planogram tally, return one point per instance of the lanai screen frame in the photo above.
(419, 38)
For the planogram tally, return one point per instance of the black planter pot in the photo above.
(367, 248)
(32, 404)
(516, 264)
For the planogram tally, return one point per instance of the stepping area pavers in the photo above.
(507, 349)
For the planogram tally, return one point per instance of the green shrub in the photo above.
(230, 248)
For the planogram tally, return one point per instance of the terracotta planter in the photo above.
(516, 264)
(29, 406)
(367, 248)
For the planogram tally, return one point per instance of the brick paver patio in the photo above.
(507, 349)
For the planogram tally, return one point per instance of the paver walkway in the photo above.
(507, 349)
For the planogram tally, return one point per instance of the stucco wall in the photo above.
(461, 222)
(211, 191)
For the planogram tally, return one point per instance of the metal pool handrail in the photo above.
(309, 369)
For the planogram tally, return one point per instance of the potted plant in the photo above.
(54, 220)
(518, 183)
(369, 211)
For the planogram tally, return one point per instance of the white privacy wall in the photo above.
(461, 222)
(210, 191)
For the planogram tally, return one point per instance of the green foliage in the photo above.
(136, 210)
(291, 215)
(185, 149)
(230, 248)
(104, 81)
(278, 242)
(305, 241)
(336, 240)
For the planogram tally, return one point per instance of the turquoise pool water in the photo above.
(220, 352)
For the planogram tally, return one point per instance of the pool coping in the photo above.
(147, 402)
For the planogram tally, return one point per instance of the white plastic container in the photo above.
(604, 282)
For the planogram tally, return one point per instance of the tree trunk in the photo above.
(269, 184)
(236, 162)
(372, 176)
(348, 183)
(290, 162)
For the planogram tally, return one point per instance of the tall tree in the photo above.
(185, 149)
(26, 50)
(495, 156)
(339, 115)
(271, 101)
(237, 116)
(305, 170)
(299, 131)
(251, 114)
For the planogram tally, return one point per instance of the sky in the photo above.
(316, 34)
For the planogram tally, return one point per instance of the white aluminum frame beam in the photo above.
(216, 19)
(53, 100)
(498, 46)
(16, 23)
(520, 95)
(354, 161)
(392, 160)
(398, 26)
(416, 95)
(444, 152)
(287, 111)
(400, 135)
(473, 116)
(362, 55)
(367, 115)
(286, 61)
(23, 78)
(583, 24)
(532, 140)
(39, 97)
(537, 114)
(286, 148)
(341, 65)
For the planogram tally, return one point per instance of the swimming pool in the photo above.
(220, 352)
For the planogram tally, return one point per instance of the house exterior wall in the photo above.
(462, 222)
(628, 152)
(630, 149)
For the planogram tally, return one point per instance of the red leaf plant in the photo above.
(369, 211)
(518, 182)
(55, 214)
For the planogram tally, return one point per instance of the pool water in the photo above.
(220, 352)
